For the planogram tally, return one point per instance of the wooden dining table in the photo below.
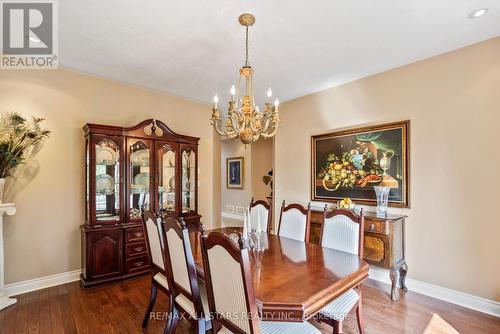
(293, 280)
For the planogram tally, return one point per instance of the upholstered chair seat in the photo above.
(273, 327)
(161, 279)
(187, 305)
(340, 307)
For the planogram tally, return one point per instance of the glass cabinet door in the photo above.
(107, 180)
(166, 178)
(188, 179)
(138, 176)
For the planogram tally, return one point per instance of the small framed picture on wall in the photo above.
(234, 173)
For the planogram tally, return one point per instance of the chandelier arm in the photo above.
(234, 120)
(269, 135)
(243, 123)
(218, 130)
(266, 125)
(254, 129)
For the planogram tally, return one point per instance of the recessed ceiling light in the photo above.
(478, 13)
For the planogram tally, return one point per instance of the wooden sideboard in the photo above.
(384, 244)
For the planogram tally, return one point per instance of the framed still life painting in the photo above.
(234, 173)
(349, 163)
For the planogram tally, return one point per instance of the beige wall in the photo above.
(453, 102)
(236, 197)
(43, 238)
(262, 163)
(258, 160)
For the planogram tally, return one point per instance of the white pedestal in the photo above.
(5, 301)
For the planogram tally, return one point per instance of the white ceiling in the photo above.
(195, 48)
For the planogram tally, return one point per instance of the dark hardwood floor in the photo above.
(119, 309)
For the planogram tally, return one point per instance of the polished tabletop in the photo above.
(293, 280)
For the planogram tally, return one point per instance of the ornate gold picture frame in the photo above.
(349, 163)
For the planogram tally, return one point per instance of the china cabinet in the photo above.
(147, 165)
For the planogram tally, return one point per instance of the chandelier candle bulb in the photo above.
(216, 100)
(245, 221)
(269, 93)
(258, 224)
(233, 92)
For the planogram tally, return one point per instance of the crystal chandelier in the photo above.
(244, 119)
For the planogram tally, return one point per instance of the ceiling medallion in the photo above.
(244, 119)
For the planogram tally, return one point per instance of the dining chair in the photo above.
(155, 245)
(295, 221)
(263, 210)
(231, 296)
(189, 296)
(343, 230)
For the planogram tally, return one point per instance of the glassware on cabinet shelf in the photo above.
(166, 179)
(107, 180)
(188, 180)
(139, 178)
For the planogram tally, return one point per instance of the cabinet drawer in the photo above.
(376, 226)
(134, 234)
(136, 263)
(136, 249)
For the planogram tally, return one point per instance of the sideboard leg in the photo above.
(394, 279)
(402, 276)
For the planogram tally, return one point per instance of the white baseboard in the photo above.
(13, 289)
(452, 296)
(232, 216)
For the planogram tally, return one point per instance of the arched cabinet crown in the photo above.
(128, 168)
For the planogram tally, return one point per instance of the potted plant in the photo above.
(19, 139)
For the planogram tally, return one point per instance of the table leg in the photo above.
(394, 275)
(402, 276)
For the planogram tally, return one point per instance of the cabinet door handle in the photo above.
(138, 234)
(372, 227)
(138, 264)
(138, 249)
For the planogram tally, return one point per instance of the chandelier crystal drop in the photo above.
(244, 119)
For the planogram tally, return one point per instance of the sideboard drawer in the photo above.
(136, 263)
(376, 226)
(135, 249)
(134, 234)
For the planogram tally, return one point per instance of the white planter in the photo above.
(5, 301)
(2, 185)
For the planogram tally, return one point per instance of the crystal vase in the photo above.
(382, 200)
